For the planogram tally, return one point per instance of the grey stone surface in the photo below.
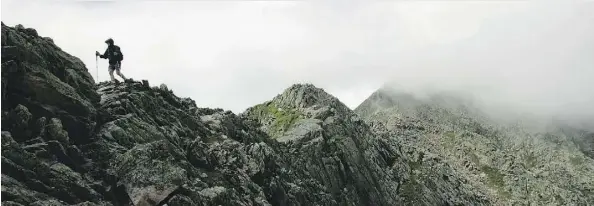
(514, 164)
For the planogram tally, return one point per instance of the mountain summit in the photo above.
(67, 140)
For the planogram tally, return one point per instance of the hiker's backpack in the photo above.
(117, 53)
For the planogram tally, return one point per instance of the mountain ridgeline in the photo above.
(67, 140)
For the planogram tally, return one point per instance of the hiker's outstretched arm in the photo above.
(104, 55)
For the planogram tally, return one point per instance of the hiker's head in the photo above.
(109, 41)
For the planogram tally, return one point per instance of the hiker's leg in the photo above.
(111, 68)
(119, 72)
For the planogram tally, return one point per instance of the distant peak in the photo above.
(303, 96)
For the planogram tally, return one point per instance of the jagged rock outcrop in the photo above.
(330, 143)
(512, 164)
(40, 76)
(48, 111)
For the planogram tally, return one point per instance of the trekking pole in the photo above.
(97, 67)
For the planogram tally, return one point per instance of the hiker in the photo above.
(115, 57)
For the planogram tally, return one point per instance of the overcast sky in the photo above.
(537, 56)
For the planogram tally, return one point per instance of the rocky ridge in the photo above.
(69, 141)
(514, 165)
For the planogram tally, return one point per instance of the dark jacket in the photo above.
(109, 54)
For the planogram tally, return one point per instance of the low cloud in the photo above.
(534, 61)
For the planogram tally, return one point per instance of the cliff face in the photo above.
(67, 140)
(512, 163)
(48, 111)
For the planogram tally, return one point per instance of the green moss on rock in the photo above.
(282, 119)
(494, 176)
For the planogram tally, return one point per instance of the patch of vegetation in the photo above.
(495, 177)
(576, 161)
(414, 165)
(495, 180)
(449, 138)
(282, 118)
(411, 188)
(531, 160)
(450, 134)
